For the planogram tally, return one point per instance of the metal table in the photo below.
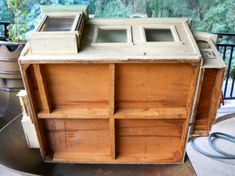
(15, 155)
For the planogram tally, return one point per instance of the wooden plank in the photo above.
(41, 43)
(78, 85)
(217, 90)
(78, 136)
(76, 113)
(113, 138)
(112, 110)
(154, 113)
(42, 87)
(111, 89)
(33, 107)
(191, 102)
(209, 99)
(153, 85)
(192, 40)
(149, 139)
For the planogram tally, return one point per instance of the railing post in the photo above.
(225, 47)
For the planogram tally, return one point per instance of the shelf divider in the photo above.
(111, 88)
(112, 109)
(42, 88)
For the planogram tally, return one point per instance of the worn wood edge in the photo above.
(42, 87)
(131, 114)
(107, 160)
(113, 138)
(40, 136)
(25, 50)
(191, 38)
(196, 103)
(191, 114)
(72, 38)
(197, 95)
(137, 20)
(69, 58)
(39, 26)
(49, 116)
(156, 113)
(111, 89)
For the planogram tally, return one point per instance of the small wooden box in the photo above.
(58, 33)
(212, 77)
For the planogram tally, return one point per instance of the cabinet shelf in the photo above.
(75, 113)
(153, 113)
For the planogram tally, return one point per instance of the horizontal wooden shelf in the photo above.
(76, 113)
(156, 113)
(81, 157)
(105, 158)
(103, 113)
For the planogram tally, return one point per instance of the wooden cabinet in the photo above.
(117, 100)
(109, 113)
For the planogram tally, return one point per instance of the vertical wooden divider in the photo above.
(39, 74)
(33, 109)
(112, 108)
(190, 104)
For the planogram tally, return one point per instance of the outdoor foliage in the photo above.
(207, 15)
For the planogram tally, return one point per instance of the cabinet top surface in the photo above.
(133, 39)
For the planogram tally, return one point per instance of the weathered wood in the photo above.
(111, 89)
(95, 101)
(57, 33)
(75, 113)
(33, 107)
(152, 113)
(119, 103)
(209, 100)
(149, 139)
(42, 87)
(112, 137)
(86, 136)
(213, 68)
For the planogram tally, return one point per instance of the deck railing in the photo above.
(225, 45)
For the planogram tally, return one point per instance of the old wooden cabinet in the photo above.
(128, 96)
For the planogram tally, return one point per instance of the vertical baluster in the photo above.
(228, 71)
(231, 57)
